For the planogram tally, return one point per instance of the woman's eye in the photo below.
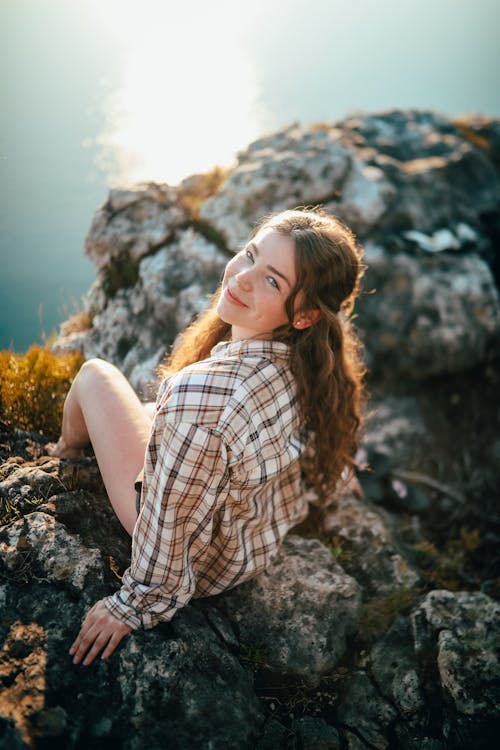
(249, 255)
(273, 282)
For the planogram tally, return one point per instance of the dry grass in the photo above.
(33, 387)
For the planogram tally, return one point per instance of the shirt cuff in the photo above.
(136, 619)
(122, 611)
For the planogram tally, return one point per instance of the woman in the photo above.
(261, 398)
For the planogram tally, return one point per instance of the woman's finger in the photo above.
(99, 630)
(96, 648)
(85, 639)
(115, 639)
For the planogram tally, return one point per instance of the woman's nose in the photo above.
(244, 279)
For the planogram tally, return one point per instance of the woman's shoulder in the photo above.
(212, 388)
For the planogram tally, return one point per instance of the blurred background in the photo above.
(102, 93)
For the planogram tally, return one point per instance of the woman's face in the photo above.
(256, 285)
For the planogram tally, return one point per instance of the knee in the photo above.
(96, 369)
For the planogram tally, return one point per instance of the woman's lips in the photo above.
(233, 298)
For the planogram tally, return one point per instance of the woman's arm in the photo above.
(172, 532)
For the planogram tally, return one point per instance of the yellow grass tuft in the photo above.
(33, 387)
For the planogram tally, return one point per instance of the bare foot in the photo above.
(61, 450)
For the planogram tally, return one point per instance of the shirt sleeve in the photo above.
(174, 528)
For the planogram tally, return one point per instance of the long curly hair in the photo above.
(325, 358)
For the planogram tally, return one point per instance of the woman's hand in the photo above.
(100, 630)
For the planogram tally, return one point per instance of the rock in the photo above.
(395, 670)
(457, 635)
(354, 742)
(366, 197)
(39, 546)
(439, 668)
(430, 248)
(274, 737)
(292, 167)
(316, 734)
(132, 223)
(137, 326)
(364, 712)
(295, 618)
(395, 429)
(363, 545)
(183, 674)
(396, 438)
(431, 314)
(422, 154)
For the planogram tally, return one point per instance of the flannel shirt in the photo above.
(221, 483)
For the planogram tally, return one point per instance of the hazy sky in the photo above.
(100, 92)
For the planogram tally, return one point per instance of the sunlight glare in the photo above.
(188, 96)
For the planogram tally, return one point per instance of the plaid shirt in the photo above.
(221, 481)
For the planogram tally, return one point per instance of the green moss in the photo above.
(33, 387)
(122, 273)
(377, 615)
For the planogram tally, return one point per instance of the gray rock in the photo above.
(362, 542)
(298, 613)
(354, 742)
(366, 196)
(37, 546)
(430, 314)
(366, 713)
(292, 167)
(316, 734)
(132, 222)
(274, 736)
(460, 631)
(413, 186)
(440, 178)
(137, 326)
(396, 439)
(179, 680)
(395, 428)
(394, 668)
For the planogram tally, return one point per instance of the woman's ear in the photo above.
(306, 318)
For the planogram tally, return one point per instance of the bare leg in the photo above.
(102, 408)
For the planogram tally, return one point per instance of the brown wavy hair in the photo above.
(325, 358)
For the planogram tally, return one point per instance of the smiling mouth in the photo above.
(232, 298)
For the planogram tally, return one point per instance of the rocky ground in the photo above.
(378, 625)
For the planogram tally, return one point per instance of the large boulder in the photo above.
(181, 681)
(299, 613)
(432, 313)
(421, 192)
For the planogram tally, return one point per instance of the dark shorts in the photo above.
(138, 490)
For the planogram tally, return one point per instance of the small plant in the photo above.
(33, 387)
(338, 549)
(77, 323)
(447, 569)
(470, 134)
(12, 510)
(197, 189)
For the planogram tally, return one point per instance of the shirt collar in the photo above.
(272, 350)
